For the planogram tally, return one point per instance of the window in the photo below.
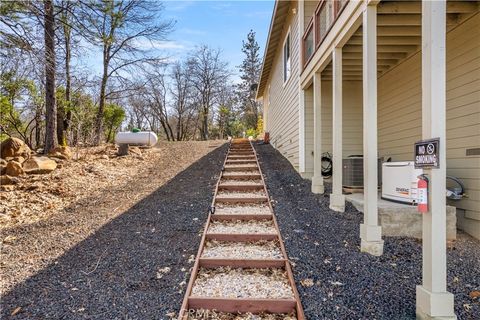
(286, 59)
(308, 43)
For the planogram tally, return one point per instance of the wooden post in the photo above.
(337, 199)
(370, 231)
(433, 300)
(317, 179)
(123, 149)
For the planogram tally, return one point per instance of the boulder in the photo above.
(19, 159)
(14, 169)
(13, 147)
(39, 165)
(61, 153)
(7, 180)
(3, 166)
(135, 150)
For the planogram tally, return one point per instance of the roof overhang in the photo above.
(280, 13)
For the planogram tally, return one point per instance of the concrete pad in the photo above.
(402, 220)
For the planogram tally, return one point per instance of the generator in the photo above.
(400, 182)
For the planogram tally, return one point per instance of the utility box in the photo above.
(400, 181)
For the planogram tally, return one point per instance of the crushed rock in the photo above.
(225, 282)
(242, 250)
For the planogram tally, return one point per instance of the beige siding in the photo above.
(399, 123)
(283, 99)
(352, 117)
(309, 131)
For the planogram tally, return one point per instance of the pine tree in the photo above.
(250, 74)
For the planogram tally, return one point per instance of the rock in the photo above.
(13, 147)
(7, 180)
(135, 150)
(14, 169)
(19, 159)
(3, 166)
(104, 157)
(7, 187)
(39, 165)
(61, 152)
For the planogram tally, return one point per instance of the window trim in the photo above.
(286, 77)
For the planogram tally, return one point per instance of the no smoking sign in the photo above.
(427, 153)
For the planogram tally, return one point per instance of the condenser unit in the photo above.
(353, 172)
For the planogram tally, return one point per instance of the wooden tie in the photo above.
(241, 197)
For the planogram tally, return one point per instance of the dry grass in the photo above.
(46, 215)
(226, 282)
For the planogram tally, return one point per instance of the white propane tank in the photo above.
(144, 138)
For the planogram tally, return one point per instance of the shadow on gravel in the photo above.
(325, 246)
(114, 273)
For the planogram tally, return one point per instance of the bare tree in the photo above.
(157, 93)
(119, 27)
(208, 73)
(181, 95)
(50, 105)
(64, 114)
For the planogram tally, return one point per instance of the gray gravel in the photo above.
(121, 271)
(348, 284)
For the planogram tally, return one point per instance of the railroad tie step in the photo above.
(241, 167)
(242, 305)
(227, 199)
(232, 175)
(241, 217)
(240, 187)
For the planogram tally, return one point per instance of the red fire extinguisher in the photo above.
(422, 191)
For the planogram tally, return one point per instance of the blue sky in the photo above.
(219, 24)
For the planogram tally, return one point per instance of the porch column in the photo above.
(317, 179)
(370, 231)
(301, 102)
(301, 133)
(337, 199)
(433, 300)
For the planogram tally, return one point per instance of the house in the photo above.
(371, 78)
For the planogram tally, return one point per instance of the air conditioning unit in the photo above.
(400, 181)
(353, 172)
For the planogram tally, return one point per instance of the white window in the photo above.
(286, 59)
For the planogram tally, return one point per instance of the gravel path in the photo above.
(334, 279)
(134, 267)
